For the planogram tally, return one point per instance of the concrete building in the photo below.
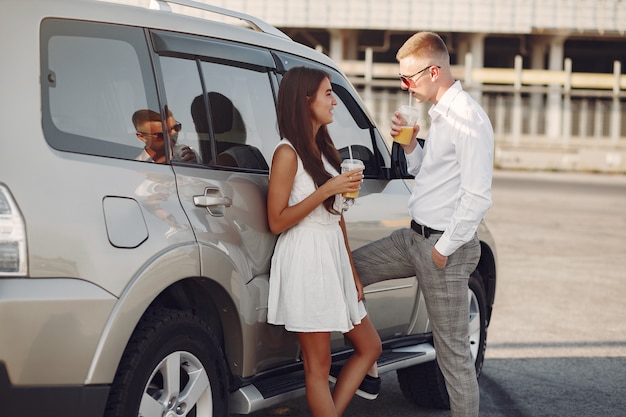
(549, 72)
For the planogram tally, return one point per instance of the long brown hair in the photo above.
(297, 88)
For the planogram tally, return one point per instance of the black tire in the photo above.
(176, 342)
(424, 384)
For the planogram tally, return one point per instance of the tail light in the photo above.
(12, 237)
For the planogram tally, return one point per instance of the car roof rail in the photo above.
(164, 5)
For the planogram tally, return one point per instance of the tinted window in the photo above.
(351, 128)
(232, 117)
(94, 77)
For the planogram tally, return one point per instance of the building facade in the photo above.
(549, 72)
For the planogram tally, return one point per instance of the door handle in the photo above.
(214, 201)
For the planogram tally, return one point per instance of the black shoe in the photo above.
(369, 388)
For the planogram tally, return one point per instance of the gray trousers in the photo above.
(406, 253)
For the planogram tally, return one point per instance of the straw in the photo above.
(410, 98)
(350, 151)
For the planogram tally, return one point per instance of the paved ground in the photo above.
(561, 240)
(557, 341)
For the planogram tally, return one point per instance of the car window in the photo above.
(350, 130)
(227, 112)
(94, 77)
(349, 139)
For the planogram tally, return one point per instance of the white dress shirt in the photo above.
(453, 172)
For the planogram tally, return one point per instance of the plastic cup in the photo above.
(178, 152)
(349, 165)
(410, 115)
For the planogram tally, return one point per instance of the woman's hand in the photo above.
(346, 182)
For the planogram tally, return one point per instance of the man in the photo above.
(450, 196)
(149, 129)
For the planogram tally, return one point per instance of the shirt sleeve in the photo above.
(414, 160)
(474, 148)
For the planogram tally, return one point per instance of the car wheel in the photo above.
(172, 366)
(424, 384)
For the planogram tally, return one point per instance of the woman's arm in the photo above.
(280, 215)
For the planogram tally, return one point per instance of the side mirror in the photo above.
(398, 161)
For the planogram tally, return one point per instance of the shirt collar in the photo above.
(445, 102)
(144, 156)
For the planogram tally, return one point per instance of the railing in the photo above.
(538, 110)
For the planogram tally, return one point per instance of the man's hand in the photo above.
(397, 121)
(439, 259)
(187, 154)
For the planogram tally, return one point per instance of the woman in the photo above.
(314, 287)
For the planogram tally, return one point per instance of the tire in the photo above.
(172, 350)
(424, 384)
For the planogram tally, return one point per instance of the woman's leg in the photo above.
(367, 349)
(316, 354)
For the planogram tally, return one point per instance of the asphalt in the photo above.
(557, 340)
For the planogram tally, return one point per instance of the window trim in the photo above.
(223, 52)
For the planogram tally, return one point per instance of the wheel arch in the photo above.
(179, 287)
(209, 300)
(146, 382)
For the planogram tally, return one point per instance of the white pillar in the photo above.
(583, 123)
(616, 114)
(336, 52)
(538, 48)
(553, 111)
(462, 49)
(350, 44)
(368, 97)
(477, 49)
(500, 117)
(516, 116)
(597, 121)
(567, 104)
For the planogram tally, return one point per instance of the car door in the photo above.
(222, 94)
(380, 208)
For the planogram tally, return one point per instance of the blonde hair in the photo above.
(425, 45)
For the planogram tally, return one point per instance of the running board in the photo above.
(404, 357)
(276, 390)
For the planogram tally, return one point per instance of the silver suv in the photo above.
(134, 286)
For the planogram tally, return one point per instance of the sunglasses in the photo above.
(408, 81)
(176, 128)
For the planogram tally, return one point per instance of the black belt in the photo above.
(424, 230)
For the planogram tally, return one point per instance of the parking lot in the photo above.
(557, 342)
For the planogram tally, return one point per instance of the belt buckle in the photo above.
(421, 229)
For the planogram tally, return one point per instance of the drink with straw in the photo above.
(410, 115)
(349, 165)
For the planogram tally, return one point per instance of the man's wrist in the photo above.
(410, 147)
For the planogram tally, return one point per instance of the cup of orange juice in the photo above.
(349, 165)
(410, 115)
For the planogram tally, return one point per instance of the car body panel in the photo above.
(39, 316)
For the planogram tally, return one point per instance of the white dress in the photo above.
(311, 282)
